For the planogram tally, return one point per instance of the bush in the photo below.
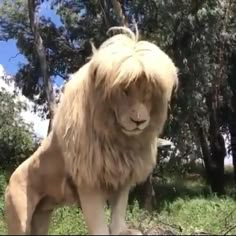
(17, 140)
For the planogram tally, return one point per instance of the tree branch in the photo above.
(103, 7)
(60, 75)
(41, 53)
(230, 229)
(119, 12)
(117, 7)
(13, 57)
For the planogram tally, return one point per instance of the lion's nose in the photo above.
(137, 121)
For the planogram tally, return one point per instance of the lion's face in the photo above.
(132, 108)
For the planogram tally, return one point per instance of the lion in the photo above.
(103, 139)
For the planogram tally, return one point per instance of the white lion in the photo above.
(103, 140)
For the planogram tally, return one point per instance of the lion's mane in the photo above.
(96, 153)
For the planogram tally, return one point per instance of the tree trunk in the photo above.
(232, 113)
(119, 11)
(232, 130)
(146, 194)
(217, 145)
(205, 152)
(41, 53)
(218, 155)
(105, 12)
(213, 160)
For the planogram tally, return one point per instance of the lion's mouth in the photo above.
(135, 131)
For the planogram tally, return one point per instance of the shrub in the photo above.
(17, 140)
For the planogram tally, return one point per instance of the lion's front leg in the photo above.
(119, 202)
(92, 204)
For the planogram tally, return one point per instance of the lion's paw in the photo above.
(131, 232)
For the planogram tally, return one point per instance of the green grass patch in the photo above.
(184, 207)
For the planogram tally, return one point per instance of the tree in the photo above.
(41, 53)
(198, 35)
(232, 113)
(17, 140)
(232, 82)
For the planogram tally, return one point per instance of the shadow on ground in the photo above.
(167, 190)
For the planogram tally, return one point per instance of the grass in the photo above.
(184, 207)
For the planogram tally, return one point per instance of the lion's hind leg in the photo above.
(42, 216)
(40, 222)
(19, 207)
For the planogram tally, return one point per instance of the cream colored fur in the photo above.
(103, 140)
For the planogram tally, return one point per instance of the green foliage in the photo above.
(16, 137)
(68, 221)
(202, 215)
(67, 46)
(2, 189)
(198, 35)
(14, 19)
(184, 214)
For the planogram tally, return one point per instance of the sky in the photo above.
(40, 125)
(9, 54)
(10, 59)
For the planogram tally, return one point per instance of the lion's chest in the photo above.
(126, 166)
(111, 166)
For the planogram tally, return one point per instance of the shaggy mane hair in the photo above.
(96, 152)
